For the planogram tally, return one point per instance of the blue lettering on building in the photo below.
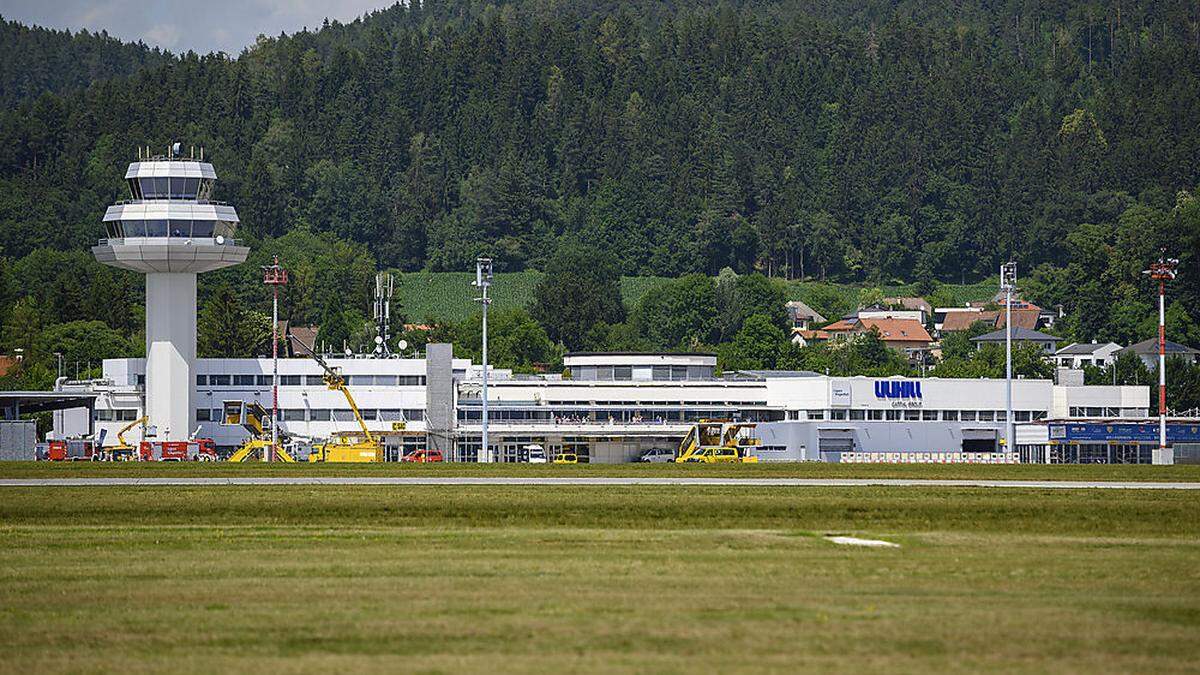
(897, 389)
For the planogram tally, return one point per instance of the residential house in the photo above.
(1019, 335)
(907, 335)
(806, 337)
(1147, 350)
(912, 304)
(802, 316)
(1080, 354)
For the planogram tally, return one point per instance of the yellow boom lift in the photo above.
(719, 442)
(252, 416)
(123, 450)
(346, 446)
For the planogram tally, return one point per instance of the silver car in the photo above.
(658, 456)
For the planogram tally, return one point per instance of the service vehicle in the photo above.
(719, 441)
(657, 456)
(423, 456)
(535, 454)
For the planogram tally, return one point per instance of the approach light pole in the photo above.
(1162, 272)
(1008, 283)
(483, 281)
(274, 276)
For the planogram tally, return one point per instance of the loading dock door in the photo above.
(835, 440)
(979, 440)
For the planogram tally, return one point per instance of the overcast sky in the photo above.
(179, 25)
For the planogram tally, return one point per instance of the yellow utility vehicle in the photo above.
(566, 458)
(253, 417)
(123, 451)
(718, 442)
(346, 446)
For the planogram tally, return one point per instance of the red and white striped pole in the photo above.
(1162, 272)
(1162, 365)
(274, 276)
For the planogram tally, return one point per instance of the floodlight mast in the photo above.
(274, 275)
(483, 281)
(1008, 283)
(1162, 271)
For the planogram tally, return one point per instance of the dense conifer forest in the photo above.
(869, 143)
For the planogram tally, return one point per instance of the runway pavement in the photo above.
(599, 482)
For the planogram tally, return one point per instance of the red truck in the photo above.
(71, 450)
(198, 450)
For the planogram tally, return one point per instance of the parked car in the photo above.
(535, 454)
(657, 456)
(566, 458)
(423, 456)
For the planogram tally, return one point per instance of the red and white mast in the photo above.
(274, 276)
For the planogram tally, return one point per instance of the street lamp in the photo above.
(1008, 283)
(483, 281)
(1162, 272)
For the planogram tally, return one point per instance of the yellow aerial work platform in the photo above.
(252, 417)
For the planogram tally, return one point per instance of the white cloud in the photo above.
(163, 35)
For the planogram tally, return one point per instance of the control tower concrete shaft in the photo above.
(170, 230)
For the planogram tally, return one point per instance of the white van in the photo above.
(535, 454)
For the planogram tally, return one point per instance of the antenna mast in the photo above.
(384, 289)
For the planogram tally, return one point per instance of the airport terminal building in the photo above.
(611, 407)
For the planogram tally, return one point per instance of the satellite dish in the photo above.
(221, 239)
(403, 344)
(378, 339)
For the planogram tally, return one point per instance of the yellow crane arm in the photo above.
(121, 434)
(362, 424)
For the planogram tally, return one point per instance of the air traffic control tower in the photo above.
(170, 230)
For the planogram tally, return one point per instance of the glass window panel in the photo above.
(146, 187)
(319, 414)
(858, 414)
(180, 228)
(313, 380)
(202, 229)
(243, 380)
(263, 380)
(623, 373)
(190, 186)
(218, 380)
(156, 228)
(289, 380)
(160, 187)
(134, 228)
(202, 380)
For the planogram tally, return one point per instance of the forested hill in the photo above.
(35, 60)
(890, 141)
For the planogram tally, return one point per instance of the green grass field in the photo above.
(447, 296)
(664, 579)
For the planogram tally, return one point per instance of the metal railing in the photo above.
(119, 241)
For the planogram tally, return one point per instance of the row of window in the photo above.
(328, 414)
(169, 187)
(308, 380)
(616, 416)
(917, 415)
(115, 415)
(621, 373)
(174, 227)
(1079, 411)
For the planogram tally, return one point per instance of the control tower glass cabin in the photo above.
(170, 230)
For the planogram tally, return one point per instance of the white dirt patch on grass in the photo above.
(855, 541)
